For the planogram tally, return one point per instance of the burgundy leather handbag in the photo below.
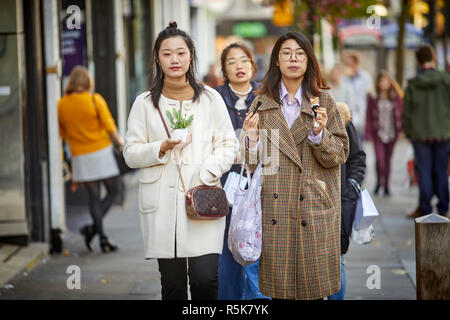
(202, 202)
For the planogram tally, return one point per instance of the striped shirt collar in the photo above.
(284, 95)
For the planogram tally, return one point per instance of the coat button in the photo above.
(301, 197)
(277, 168)
(299, 170)
(304, 223)
(275, 195)
(274, 222)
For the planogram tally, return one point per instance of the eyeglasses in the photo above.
(232, 62)
(286, 55)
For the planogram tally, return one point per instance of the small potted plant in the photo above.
(179, 124)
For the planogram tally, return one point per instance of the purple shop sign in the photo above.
(73, 47)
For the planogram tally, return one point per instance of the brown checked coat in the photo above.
(300, 195)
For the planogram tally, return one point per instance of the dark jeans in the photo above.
(431, 162)
(202, 273)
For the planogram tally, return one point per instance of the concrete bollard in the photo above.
(433, 257)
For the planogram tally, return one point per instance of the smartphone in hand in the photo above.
(315, 105)
(258, 104)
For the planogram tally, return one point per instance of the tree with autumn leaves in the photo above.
(305, 16)
(307, 13)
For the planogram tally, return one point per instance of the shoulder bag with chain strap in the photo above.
(202, 202)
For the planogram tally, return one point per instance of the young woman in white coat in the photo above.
(184, 247)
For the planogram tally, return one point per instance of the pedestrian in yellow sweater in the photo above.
(86, 124)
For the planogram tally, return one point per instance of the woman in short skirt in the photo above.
(86, 124)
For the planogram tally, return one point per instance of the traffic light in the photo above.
(283, 15)
(420, 10)
(447, 17)
(429, 29)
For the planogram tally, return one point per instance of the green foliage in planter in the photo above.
(177, 121)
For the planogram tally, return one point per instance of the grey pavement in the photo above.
(393, 248)
(126, 275)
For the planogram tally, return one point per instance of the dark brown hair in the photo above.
(425, 53)
(246, 50)
(313, 81)
(158, 80)
(79, 80)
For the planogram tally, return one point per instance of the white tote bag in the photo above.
(366, 212)
(245, 232)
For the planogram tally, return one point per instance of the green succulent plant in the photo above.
(177, 121)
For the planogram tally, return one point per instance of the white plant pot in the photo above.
(180, 134)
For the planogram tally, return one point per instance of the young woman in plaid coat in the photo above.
(301, 184)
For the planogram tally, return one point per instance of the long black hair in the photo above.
(313, 81)
(158, 80)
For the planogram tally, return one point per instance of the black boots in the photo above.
(89, 232)
(107, 246)
(387, 192)
(377, 188)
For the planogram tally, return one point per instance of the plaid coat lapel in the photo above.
(303, 124)
(276, 121)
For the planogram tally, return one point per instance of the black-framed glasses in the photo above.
(232, 62)
(286, 55)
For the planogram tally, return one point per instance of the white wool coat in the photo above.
(214, 147)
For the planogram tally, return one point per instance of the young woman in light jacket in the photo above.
(209, 151)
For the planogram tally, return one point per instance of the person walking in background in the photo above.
(213, 78)
(383, 125)
(362, 84)
(86, 124)
(352, 174)
(340, 86)
(184, 247)
(237, 282)
(301, 199)
(426, 119)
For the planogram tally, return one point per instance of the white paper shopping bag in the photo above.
(231, 185)
(366, 212)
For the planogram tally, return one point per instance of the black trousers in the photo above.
(203, 277)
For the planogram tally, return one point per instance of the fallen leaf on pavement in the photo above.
(399, 272)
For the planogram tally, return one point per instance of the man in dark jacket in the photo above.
(426, 118)
(352, 172)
